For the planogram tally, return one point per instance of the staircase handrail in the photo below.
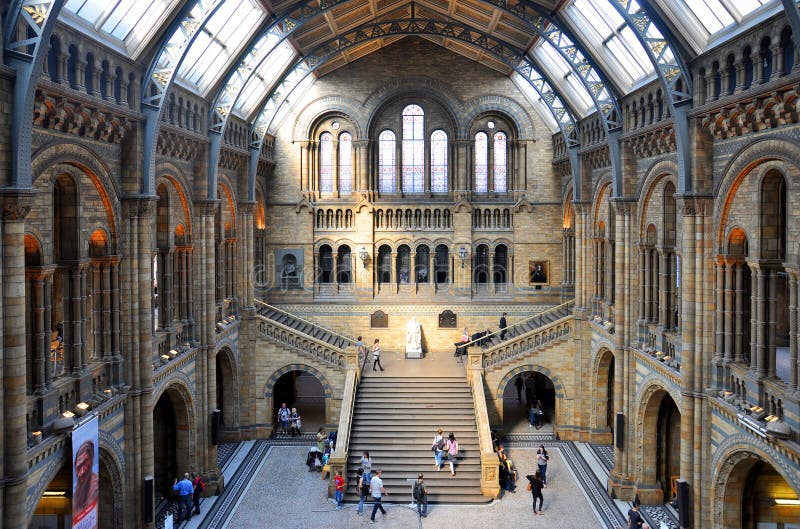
(315, 346)
(568, 305)
(338, 459)
(490, 484)
(348, 339)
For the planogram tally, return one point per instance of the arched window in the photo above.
(439, 161)
(500, 166)
(404, 264)
(422, 264)
(481, 163)
(384, 264)
(413, 149)
(325, 264)
(481, 265)
(386, 169)
(442, 264)
(345, 163)
(343, 265)
(500, 264)
(326, 163)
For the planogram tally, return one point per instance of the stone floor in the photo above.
(282, 494)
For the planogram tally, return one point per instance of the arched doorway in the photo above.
(226, 389)
(760, 492)
(301, 390)
(55, 504)
(603, 428)
(661, 445)
(110, 507)
(522, 391)
(171, 441)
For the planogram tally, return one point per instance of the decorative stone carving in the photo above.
(448, 320)
(379, 320)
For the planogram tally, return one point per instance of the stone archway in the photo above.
(537, 383)
(659, 447)
(227, 389)
(304, 388)
(746, 487)
(111, 505)
(603, 402)
(173, 442)
(55, 500)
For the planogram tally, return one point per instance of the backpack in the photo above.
(440, 444)
(364, 487)
(419, 491)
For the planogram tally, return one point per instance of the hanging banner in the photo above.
(85, 474)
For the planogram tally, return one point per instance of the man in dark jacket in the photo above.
(421, 496)
(503, 325)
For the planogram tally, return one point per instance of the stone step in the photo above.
(389, 380)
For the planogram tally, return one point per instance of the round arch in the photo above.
(174, 441)
(602, 415)
(731, 465)
(313, 414)
(507, 384)
(111, 511)
(227, 385)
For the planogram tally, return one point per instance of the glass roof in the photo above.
(561, 73)
(265, 76)
(614, 44)
(219, 42)
(536, 100)
(129, 21)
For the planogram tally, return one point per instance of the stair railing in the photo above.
(338, 459)
(569, 305)
(348, 339)
(490, 478)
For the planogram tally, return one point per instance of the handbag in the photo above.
(529, 487)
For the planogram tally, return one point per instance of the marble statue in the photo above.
(413, 339)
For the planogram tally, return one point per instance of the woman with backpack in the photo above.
(438, 448)
(451, 447)
(366, 467)
(199, 486)
(295, 422)
(535, 486)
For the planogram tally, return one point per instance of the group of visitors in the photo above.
(289, 418)
(536, 481)
(363, 353)
(189, 492)
(445, 449)
(369, 484)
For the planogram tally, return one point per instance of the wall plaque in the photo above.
(379, 320)
(448, 320)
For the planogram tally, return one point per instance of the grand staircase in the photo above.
(529, 324)
(395, 419)
(303, 326)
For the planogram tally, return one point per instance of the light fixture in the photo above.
(54, 493)
(165, 358)
(36, 437)
(67, 414)
(364, 256)
(772, 418)
(462, 254)
(787, 501)
(81, 408)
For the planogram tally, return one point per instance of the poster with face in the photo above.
(85, 474)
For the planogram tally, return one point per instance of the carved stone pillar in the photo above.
(739, 323)
(728, 313)
(793, 332)
(757, 331)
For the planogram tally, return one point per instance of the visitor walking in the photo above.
(635, 520)
(503, 325)
(363, 490)
(296, 422)
(338, 492)
(535, 485)
(376, 354)
(321, 439)
(376, 487)
(534, 415)
(421, 496)
(438, 448)
(284, 414)
(199, 486)
(185, 490)
(366, 466)
(542, 457)
(451, 447)
(519, 383)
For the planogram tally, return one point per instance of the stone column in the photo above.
(771, 323)
(116, 377)
(719, 325)
(40, 344)
(663, 288)
(14, 400)
(757, 330)
(728, 313)
(738, 318)
(105, 310)
(793, 333)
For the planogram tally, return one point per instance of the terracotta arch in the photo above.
(227, 386)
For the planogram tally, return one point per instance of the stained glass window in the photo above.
(386, 169)
(439, 161)
(413, 150)
(481, 163)
(345, 163)
(500, 166)
(326, 163)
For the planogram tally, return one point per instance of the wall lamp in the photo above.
(362, 253)
(462, 254)
(787, 501)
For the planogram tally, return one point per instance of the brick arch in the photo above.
(663, 170)
(111, 462)
(61, 456)
(501, 387)
(649, 399)
(500, 104)
(316, 109)
(727, 462)
(270, 385)
(76, 156)
(603, 190)
(230, 404)
(600, 397)
(432, 88)
(178, 183)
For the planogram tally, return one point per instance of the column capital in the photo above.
(206, 207)
(139, 206)
(695, 205)
(623, 206)
(16, 203)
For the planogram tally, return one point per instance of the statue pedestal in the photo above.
(413, 352)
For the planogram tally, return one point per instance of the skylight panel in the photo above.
(264, 78)
(129, 21)
(536, 101)
(221, 39)
(711, 13)
(562, 75)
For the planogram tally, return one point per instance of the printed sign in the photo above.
(85, 474)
